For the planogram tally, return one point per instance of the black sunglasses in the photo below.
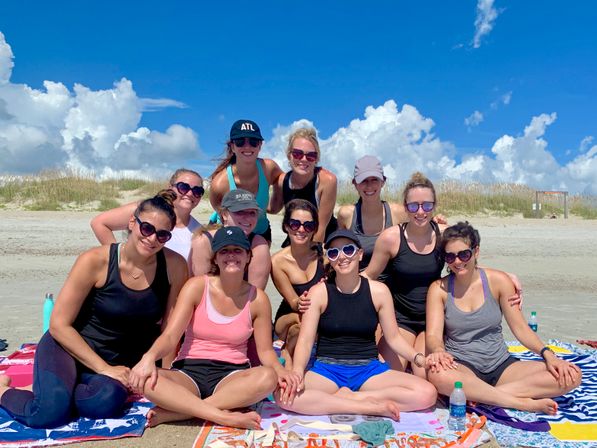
(464, 256)
(295, 224)
(298, 154)
(147, 229)
(349, 250)
(240, 142)
(413, 207)
(183, 188)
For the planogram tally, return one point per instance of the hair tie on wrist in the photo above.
(543, 350)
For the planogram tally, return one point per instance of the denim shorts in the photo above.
(351, 376)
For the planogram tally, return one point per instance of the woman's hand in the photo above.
(144, 369)
(304, 302)
(440, 360)
(119, 373)
(564, 372)
(290, 384)
(516, 298)
(440, 219)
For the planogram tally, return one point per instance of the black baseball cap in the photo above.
(342, 233)
(239, 199)
(229, 236)
(245, 128)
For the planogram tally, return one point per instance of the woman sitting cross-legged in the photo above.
(108, 313)
(211, 373)
(464, 335)
(347, 376)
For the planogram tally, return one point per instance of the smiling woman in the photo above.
(242, 168)
(187, 188)
(110, 310)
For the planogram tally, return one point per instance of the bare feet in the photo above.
(247, 420)
(156, 416)
(385, 408)
(4, 384)
(541, 405)
(5, 380)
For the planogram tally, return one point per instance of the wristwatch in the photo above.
(543, 350)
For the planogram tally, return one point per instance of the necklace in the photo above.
(135, 277)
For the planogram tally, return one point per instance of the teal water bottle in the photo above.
(533, 321)
(48, 307)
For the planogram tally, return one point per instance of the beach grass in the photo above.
(57, 190)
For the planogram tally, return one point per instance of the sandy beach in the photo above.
(555, 260)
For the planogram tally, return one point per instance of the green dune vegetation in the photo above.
(53, 191)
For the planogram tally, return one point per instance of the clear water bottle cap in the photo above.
(533, 313)
(458, 384)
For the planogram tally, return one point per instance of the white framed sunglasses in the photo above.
(349, 250)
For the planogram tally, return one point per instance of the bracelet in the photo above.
(415, 360)
(543, 350)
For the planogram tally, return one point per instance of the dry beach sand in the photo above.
(555, 260)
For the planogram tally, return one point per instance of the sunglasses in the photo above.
(183, 188)
(147, 229)
(295, 224)
(413, 207)
(298, 154)
(242, 141)
(463, 255)
(349, 250)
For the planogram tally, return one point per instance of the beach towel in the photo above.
(282, 429)
(575, 424)
(19, 365)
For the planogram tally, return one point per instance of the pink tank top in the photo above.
(211, 335)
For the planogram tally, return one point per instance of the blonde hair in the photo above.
(306, 133)
(180, 171)
(418, 179)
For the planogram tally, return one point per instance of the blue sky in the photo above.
(450, 86)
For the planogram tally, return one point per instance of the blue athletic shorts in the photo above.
(351, 376)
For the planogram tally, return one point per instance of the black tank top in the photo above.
(300, 288)
(347, 327)
(411, 275)
(308, 193)
(120, 324)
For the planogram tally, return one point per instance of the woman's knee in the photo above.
(442, 381)
(100, 397)
(427, 394)
(266, 380)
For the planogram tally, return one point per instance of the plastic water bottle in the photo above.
(533, 321)
(48, 307)
(457, 420)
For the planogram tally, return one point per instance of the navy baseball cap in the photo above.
(229, 236)
(245, 128)
(342, 233)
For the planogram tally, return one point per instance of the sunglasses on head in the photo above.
(183, 188)
(463, 255)
(298, 154)
(295, 224)
(413, 207)
(148, 229)
(240, 142)
(349, 250)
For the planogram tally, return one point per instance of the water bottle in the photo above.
(533, 321)
(48, 307)
(457, 420)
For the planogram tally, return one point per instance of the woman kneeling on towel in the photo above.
(106, 317)
(464, 335)
(347, 377)
(220, 313)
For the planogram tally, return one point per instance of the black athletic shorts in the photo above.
(207, 373)
(490, 377)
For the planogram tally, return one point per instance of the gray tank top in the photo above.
(475, 337)
(368, 241)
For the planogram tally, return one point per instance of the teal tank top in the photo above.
(262, 198)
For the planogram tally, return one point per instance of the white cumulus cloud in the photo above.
(86, 130)
(404, 141)
(484, 21)
(474, 119)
